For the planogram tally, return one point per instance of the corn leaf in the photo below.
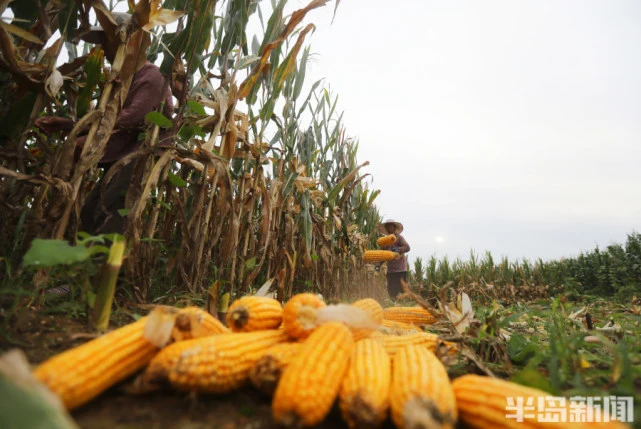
(25, 12)
(284, 70)
(150, 14)
(159, 119)
(17, 31)
(266, 50)
(50, 253)
(92, 69)
(196, 107)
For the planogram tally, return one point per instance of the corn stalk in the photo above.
(261, 182)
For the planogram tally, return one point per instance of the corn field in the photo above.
(613, 272)
(260, 185)
(260, 182)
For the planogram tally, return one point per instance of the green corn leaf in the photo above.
(175, 180)
(196, 107)
(50, 253)
(159, 119)
(250, 263)
(247, 61)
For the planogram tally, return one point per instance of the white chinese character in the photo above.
(552, 409)
(622, 408)
(596, 411)
(520, 406)
(578, 409)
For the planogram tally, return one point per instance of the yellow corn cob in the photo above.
(216, 364)
(398, 328)
(421, 396)
(82, 373)
(393, 343)
(378, 256)
(156, 375)
(361, 333)
(299, 315)
(194, 322)
(374, 310)
(482, 404)
(267, 370)
(310, 383)
(254, 313)
(169, 324)
(376, 335)
(372, 307)
(364, 395)
(386, 240)
(415, 315)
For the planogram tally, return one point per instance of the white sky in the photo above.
(509, 126)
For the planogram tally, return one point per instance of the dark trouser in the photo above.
(99, 215)
(394, 287)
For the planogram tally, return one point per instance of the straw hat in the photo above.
(398, 226)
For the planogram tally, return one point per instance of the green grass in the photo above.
(547, 350)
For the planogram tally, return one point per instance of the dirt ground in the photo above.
(245, 409)
(41, 336)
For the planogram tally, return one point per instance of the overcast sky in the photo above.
(509, 126)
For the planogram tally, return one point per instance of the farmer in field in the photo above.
(397, 268)
(100, 214)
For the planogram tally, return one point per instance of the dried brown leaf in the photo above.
(20, 32)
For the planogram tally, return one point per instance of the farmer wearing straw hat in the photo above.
(397, 268)
(101, 212)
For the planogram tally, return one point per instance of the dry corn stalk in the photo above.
(398, 328)
(267, 370)
(379, 256)
(421, 395)
(483, 404)
(215, 364)
(386, 240)
(82, 373)
(254, 313)
(299, 315)
(310, 383)
(414, 315)
(364, 395)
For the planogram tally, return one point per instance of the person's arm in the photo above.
(51, 124)
(402, 245)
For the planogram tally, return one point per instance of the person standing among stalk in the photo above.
(397, 268)
(102, 211)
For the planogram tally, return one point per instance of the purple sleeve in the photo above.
(143, 97)
(403, 246)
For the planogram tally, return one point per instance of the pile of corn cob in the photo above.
(373, 256)
(306, 355)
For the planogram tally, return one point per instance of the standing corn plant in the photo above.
(260, 181)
